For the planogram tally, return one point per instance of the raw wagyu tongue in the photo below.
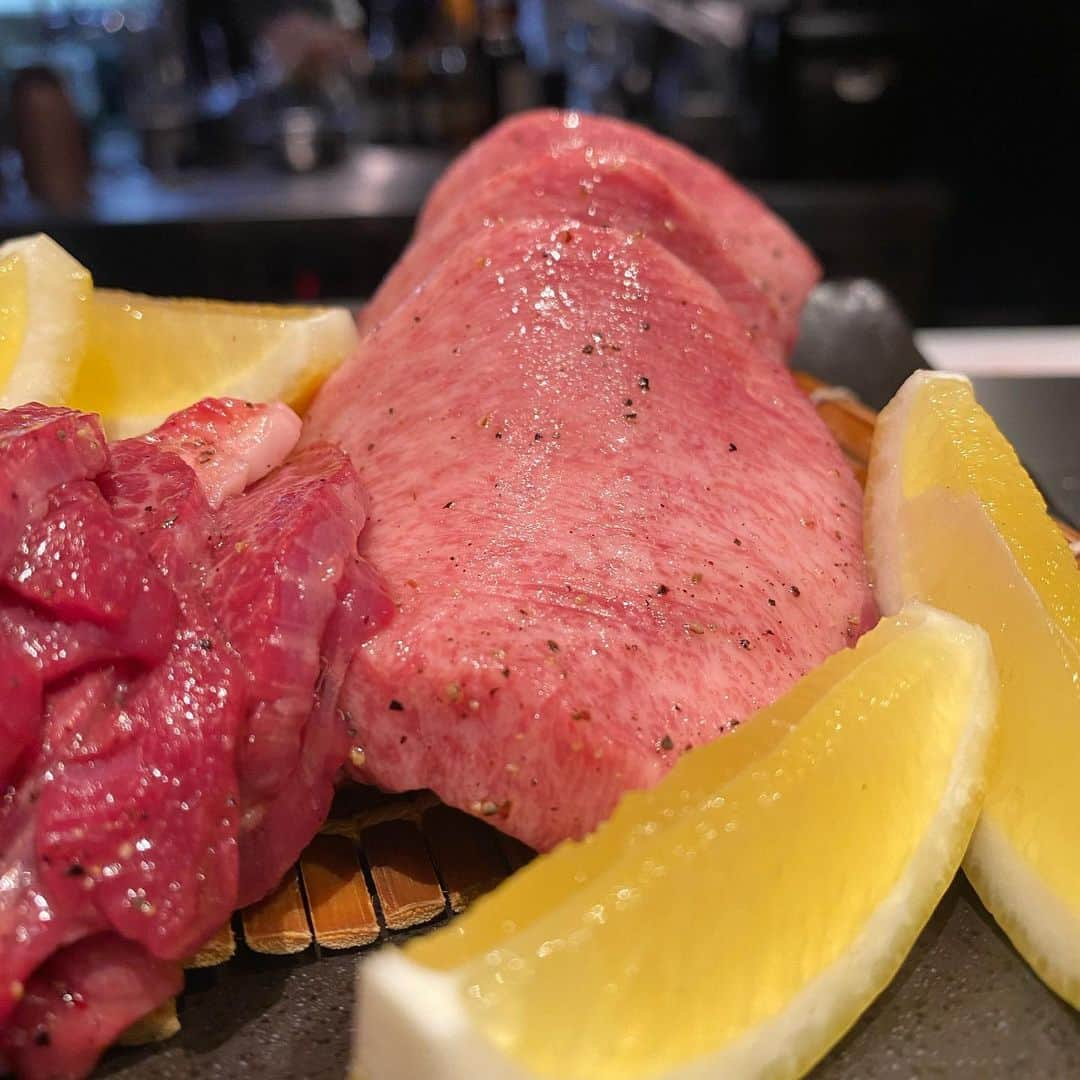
(770, 256)
(585, 185)
(611, 529)
(177, 613)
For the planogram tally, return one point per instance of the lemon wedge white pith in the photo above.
(954, 520)
(737, 918)
(44, 296)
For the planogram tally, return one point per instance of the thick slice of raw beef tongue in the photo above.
(611, 531)
(595, 188)
(753, 237)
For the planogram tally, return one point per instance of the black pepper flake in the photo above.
(744, 643)
(662, 590)
(370, 446)
(738, 542)
(630, 416)
(206, 643)
(667, 743)
(148, 509)
(629, 401)
(391, 410)
(795, 591)
(396, 706)
(643, 383)
(581, 715)
(498, 434)
(588, 350)
(731, 448)
(74, 870)
(645, 325)
(448, 505)
(772, 602)
(553, 646)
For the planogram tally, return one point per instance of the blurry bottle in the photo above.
(514, 86)
(161, 101)
(454, 106)
(50, 139)
(390, 115)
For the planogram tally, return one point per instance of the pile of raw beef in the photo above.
(177, 615)
(604, 520)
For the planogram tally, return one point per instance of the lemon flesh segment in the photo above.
(736, 925)
(147, 357)
(954, 520)
(43, 320)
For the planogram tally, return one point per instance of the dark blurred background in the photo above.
(281, 149)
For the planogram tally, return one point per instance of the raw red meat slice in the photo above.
(151, 765)
(755, 238)
(166, 484)
(22, 690)
(55, 650)
(96, 599)
(156, 493)
(79, 563)
(34, 920)
(127, 817)
(81, 1000)
(610, 530)
(228, 444)
(291, 818)
(41, 448)
(284, 560)
(594, 187)
(142, 630)
(36, 650)
(279, 558)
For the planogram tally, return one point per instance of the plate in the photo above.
(963, 1005)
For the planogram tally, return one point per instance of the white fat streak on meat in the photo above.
(229, 444)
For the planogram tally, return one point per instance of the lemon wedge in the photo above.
(735, 919)
(147, 357)
(43, 318)
(953, 519)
